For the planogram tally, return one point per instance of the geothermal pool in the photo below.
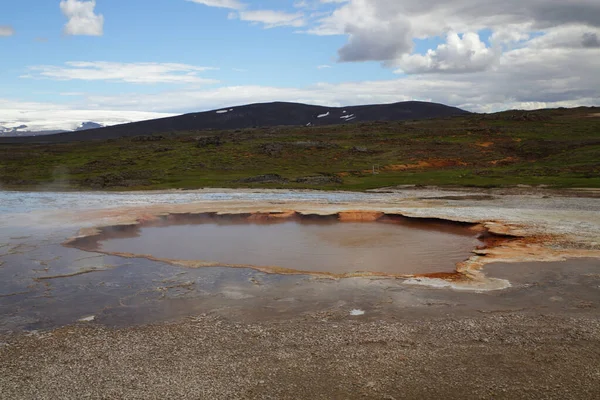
(55, 266)
(329, 246)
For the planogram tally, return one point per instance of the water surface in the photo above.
(333, 247)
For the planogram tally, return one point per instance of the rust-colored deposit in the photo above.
(425, 164)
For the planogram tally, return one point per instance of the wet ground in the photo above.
(371, 337)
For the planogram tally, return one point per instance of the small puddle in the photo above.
(316, 244)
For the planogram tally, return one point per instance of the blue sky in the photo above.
(127, 58)
(168, 31)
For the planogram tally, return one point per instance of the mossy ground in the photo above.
(559, 148)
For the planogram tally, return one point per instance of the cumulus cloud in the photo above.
(458, 55)
(375, 30)
(81, 18)
(141, 73)
(6, 30)
(384, 30)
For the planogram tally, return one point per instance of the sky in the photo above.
(111, 61)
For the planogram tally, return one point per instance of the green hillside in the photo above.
(558, 147)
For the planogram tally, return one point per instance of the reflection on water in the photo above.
(316, 246)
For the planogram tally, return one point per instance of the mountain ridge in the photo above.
(257, 115)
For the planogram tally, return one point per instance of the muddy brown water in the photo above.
(329, 247)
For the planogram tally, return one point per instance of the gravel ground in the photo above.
(316, 356)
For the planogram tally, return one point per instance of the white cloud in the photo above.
(268, 18)
(271, 18)
(232, 4)
(525, 77)
(324, 66)
(81, 18)
(122, 72)
(458, 55)
(6, 30)
(384, 30)
(301, 4)
(47, 116)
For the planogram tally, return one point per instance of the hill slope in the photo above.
(558, 147)
(258, 115)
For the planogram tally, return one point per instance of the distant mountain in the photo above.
(89, 125)
(259, 115)
(23, 130)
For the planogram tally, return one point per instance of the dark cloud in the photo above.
(590, 40)
(551, 13)
(375, 43)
